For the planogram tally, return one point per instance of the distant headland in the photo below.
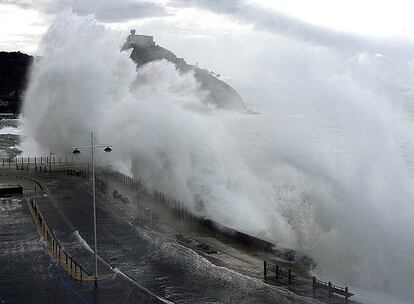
(220, 94)
(15, 70)
(13, 78)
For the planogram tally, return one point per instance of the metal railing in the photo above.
(75, 271)
(165, 202)
(279, 271)
(41, 163)
(331, 288)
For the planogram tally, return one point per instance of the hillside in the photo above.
(220, 93)
(14, 67)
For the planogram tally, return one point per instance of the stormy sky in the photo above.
(384, 27)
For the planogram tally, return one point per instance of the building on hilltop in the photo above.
(134, 40)
(219, 94)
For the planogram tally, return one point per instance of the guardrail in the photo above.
(178, 208)
(282, 272)
(279, 271)
(38, 160)
(74, 270)
(331, 288)
(100, 184)
(76, 173)
(41, 163)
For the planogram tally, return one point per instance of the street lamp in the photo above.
(76, 151)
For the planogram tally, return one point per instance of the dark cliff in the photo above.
(220, 93)
(14, 68)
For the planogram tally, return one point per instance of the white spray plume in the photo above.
(323, 169)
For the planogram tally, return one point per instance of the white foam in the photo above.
(82, 241)
(11, 131)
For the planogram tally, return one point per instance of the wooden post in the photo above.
(264, 269)
(277, 272)
(346, 295)
(289, 276)
(313, 284)
(330, 290)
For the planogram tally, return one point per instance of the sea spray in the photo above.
(323, 169)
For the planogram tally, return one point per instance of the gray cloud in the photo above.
(105, 11)
(261, 17)
(269, 20)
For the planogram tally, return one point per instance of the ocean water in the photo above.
(10, 137)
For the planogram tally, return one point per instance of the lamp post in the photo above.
(76, 151)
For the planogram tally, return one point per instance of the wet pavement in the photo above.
(154, 257)
(28, 274)
(155, 260)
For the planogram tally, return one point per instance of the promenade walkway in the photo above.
(29, 273)
(155, 259)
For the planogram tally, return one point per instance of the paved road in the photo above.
(27, 272)
(156, 261)
(152, 257)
